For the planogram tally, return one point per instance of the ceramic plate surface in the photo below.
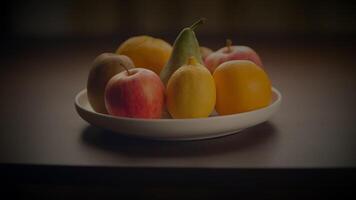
(177, 129)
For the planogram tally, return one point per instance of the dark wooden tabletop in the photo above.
(47, 150)
(314, 128)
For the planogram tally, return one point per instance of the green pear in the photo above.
(104, 67)
(185, 46)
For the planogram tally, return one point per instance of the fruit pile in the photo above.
(147, 76)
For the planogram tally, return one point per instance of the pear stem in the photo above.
(191, 61)
(198, 23)
(228, 45)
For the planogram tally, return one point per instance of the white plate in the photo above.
(177, 129)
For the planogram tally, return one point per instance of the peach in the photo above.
(104, 67)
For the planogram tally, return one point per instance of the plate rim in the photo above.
(274, 103)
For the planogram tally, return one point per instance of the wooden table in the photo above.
(311, 140)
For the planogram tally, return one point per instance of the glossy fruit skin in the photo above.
(185, 46)
(104, 67)
(205, 52)
(191, 92)
(146, 52)
(139, 95)
(241, 86)
(235, 53)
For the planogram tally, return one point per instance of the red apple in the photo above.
(205, 51)
(136, 93)
(231, 53)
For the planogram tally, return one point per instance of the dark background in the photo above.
(45, 20)
(47, 48)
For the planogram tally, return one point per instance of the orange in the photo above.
(146, 52)
(241, 86)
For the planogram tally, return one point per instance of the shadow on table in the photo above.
(114, 142)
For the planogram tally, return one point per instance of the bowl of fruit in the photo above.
(149, 89)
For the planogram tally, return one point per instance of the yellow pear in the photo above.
(191, 91)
